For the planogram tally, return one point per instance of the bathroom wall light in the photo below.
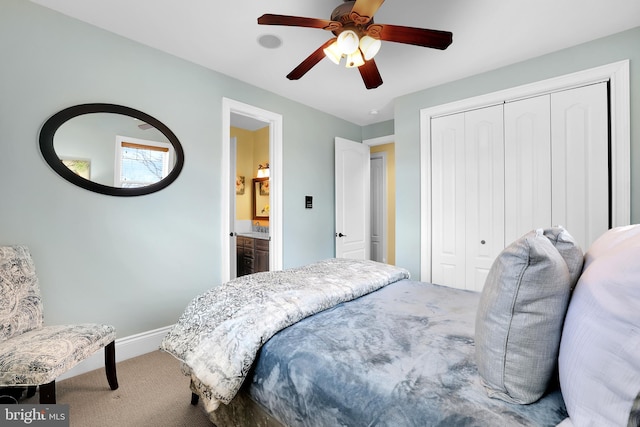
(263, 171)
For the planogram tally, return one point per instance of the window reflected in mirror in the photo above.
(140, 162)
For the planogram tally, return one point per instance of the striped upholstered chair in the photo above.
(32, 354)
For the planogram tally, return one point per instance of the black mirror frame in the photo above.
(51, 126)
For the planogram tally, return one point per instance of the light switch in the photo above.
(308, 202)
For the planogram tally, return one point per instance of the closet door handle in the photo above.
(482, 242)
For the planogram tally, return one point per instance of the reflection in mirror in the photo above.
(111, 149)
(261, 206)
(141, 162)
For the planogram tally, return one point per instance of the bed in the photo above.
(345, 342)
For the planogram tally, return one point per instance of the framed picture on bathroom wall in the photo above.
(264, 188)
(239, 185)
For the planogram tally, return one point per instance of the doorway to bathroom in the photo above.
(252, 201)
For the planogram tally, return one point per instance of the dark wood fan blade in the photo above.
(310, 62)
(363, 10)
(298, 21)
(409, 35)
(370, 74)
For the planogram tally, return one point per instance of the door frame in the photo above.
(232, 245)
(382, 205)
(371, 142)
(230, 106)
(617, 74)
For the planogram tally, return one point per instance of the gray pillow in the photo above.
(520, 317)
(569, 250)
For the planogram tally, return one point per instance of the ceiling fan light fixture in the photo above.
(349, 22)
(369, 47)
(355, 59)
(333, 52)
(348, 42)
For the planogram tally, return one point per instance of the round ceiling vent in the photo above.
(269, 41)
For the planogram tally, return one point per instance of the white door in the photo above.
(556, 168)
(448, 200)
(467, 154)
(378, 210)
(352, 193)
(484, 193)
(580, 161)
(527, 195)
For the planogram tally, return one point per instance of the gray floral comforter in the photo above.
(221, 331)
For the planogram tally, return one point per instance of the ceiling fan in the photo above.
(357, 38)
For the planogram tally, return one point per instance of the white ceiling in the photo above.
(487, 34)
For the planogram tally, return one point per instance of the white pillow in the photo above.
(599, 361)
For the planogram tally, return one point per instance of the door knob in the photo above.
(342, 235)
(482, 242)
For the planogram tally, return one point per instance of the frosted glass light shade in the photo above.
(333, 52)
(355, 59)
(369, 47)
(348, 42)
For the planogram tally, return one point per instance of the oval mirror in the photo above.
(111, 149)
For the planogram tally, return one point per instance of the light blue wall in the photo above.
(136, 262)
(621, 46)
(377, 130)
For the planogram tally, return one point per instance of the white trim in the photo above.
(380, 140)
(555, 84)
(274, 120)
(383, 156)
(126, 348)
(618, 76)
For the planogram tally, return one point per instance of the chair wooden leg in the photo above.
(110, 364)
(194, 397)
(48, 393)
(31, 391)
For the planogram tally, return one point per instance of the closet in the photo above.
(500, 171)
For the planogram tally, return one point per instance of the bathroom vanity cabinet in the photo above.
(252, 255)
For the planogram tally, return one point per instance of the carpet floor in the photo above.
(153, 392)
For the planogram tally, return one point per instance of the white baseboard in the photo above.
(126, 348)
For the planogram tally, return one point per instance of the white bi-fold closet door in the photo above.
(467, 155)
(501, 171)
